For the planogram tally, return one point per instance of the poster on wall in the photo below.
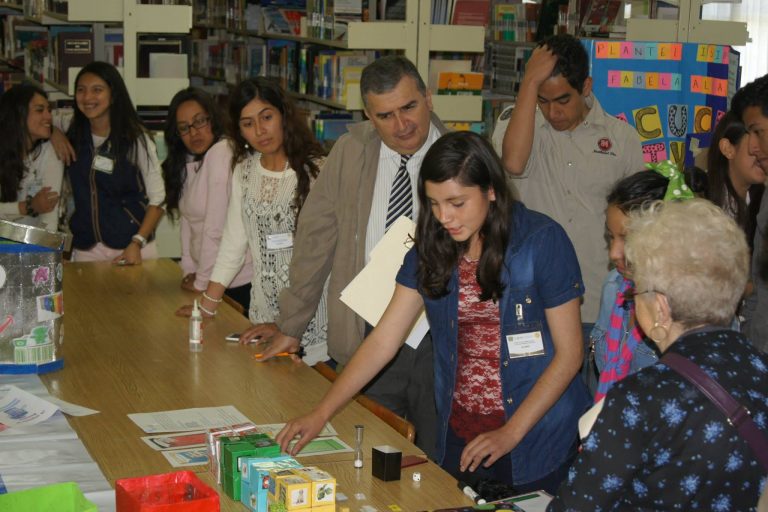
(673, 94)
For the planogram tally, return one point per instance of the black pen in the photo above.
(471, 493)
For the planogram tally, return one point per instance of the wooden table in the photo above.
(126, 352)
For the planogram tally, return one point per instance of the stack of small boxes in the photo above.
(301, 489)
(251, 470)
(235, 451)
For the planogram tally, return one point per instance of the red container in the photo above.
(181, 491)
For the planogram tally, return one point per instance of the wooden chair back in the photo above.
(236, 305)
(403, 427)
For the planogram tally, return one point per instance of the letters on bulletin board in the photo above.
(673, 94)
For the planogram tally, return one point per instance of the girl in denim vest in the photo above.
(501, 287)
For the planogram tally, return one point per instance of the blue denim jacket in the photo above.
(541, 271)
(644, 355)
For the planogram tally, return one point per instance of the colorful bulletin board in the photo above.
(672, 93)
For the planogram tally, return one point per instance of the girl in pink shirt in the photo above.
(198, 179)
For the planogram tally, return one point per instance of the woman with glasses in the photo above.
(617, 344)
(115, 178)
(198, 179)
(30, 173)
(658, 441)
(276, 160)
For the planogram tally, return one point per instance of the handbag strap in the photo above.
(738, 415)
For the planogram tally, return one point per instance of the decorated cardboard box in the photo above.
(213, 438)
(322, 485)
(31, 299)
(255, 480)
(291, 490)
(235, 448)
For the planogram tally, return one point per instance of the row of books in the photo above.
(9, 78)
(328, 126)
(505, 65)
(221, 58)
(332, 75)
(460, 12)
(515, 22)
(304, 69)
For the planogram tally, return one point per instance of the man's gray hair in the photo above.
(383, 75)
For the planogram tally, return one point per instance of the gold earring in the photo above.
(656, 337)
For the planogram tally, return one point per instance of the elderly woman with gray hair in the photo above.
(658, 442)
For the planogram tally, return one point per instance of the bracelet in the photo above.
(139, 240)
(207, 311)
(28, 205)
(208, 297)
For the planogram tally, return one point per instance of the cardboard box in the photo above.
(213, 439)
(235, 448)
(31, 299)
(294, 492)
(322, 485)
(275, 476)
(254, 473)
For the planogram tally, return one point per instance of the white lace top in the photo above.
(261, 217)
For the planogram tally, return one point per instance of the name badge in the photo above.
(525, 344)
(279, 241)
(103, 164)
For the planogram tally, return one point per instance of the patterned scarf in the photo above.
(618, 357)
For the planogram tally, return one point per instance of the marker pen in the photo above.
(470, 493)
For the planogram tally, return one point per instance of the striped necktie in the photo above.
(401, 196)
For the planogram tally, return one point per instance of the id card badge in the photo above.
(279, 241)
(525, 344)
(103, 164)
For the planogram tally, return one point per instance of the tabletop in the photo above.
(126, 352)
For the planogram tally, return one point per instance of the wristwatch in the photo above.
(139, 240)
(28, 205)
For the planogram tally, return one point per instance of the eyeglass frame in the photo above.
(198, 123)
(631, 293)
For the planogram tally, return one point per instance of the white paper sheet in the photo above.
(70, 408)
(187, 420)
(370, 291)
(273, 429)
(32, 384)
(187, 457)
(42, 453)
(17, 407)
(55, 427)
(183, 440)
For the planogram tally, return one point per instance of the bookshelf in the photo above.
(414, 36)
(135, 19)
(689, 27)
(448, 38)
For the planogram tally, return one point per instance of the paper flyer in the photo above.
(17, 407)
(175, 441)
(323, 446)
(188, 420)
(273, 429)
(187, 457)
